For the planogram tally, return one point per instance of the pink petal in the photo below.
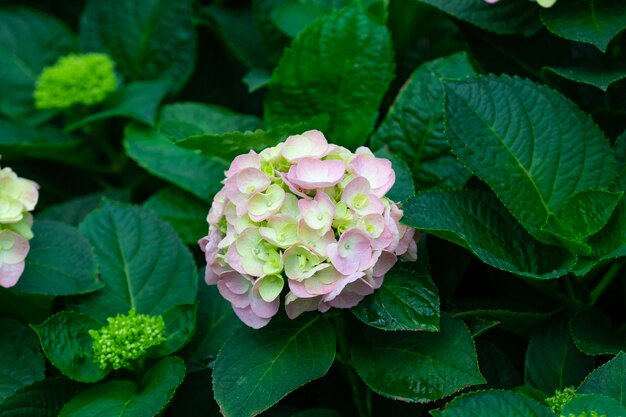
(295, 306)
(378, 172)
(261, 307)
(10, 274)
(241, 162)
(311, 173)
(385, 262)
(311, 144)
(249, 318)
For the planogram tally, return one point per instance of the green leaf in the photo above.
(414, 126)
(206, 118)
(477, 221)
(142, 261)
(593, 333)
(21, 362)
(407, 300)
(136, 101)
(584, 404)
(198, 174)
(619, 149)
(340, 65)
(74, 211)
(29, 41)
(590, 73)
(404, 187)
(287, 354)
(230, 144)
(609, 380)
(29, 308)
(609, 243)
(180, 323)
(519, 322)
(147, 40)
(506, 17)
(41, 399)
(66, 342)
(537, 177)
(552, 360)
(216, 324)
(594, 21)
(184, 212)
(18, 139)
(416, 366)
(493, 403)
(60, 262)
(122, 398)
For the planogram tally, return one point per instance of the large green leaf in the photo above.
(216, 324)
(184, 212)
(585, 404)
(477, 221)
(286, 355)
(416, 366)
(66, 342)
(493, 403)
(552, 360)
(407, 300)
(41, 399)
(142, 261)
(546, 160)
(18, 139)
(123, 398)
(593, 21)
(137, 101)
(318, 412)
(341, 65)
(609, 380)
(591, 73)
(414, 126)
(21, 362)
(206, 118)
(29, 41)
(505, 17)
(180, 323)
(198, 174)
(609, 243)
(74, 211)
(495, 366)
(593, 333)
(230, 144)
(60, 262)
(147, 40)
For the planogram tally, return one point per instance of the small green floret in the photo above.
(560, 399)
(126, 338)
(583, 414)
(75, 79)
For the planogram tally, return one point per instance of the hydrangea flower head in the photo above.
(126, 339)
(306, 218)
(75, 79)
(18, 196)
(560, 398)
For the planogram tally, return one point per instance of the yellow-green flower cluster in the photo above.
(560, 399)
(126, 338)
(75, 79)
(584, 414)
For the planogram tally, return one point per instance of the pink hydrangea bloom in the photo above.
(18, 196)
(305, 218)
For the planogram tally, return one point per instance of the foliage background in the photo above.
(518, 177)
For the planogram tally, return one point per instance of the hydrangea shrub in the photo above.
(308, 216)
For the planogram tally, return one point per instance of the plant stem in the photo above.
(604, 283)
(361, 395)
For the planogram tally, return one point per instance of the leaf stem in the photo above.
(604, 283)
(361, 395)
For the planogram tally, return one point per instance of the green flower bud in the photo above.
(75, 79)
(126, 338)
(560, 399)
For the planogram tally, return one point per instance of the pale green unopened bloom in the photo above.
(75, 79)
(126, 338)
(560, 399)
(583, 414)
